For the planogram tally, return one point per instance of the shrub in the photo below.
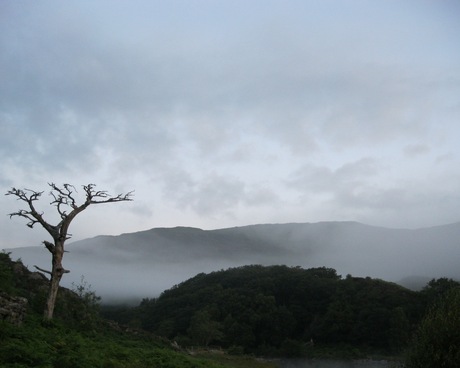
(437, 341)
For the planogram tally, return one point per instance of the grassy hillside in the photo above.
(79, 338)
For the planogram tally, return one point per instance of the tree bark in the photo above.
(56, 274)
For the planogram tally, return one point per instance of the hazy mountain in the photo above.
(144, 263)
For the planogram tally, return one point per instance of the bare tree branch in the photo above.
(67, 207)
(50, 272)
(42, 270)
(101, 196)
(63, 197)
(29, 196)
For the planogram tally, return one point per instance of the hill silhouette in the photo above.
(144, 263)
(269, 309)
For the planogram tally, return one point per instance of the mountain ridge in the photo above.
(144, 263)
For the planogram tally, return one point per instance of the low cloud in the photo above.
(414, 150)
(218, 110)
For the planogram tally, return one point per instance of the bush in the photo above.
(292, 349)
(6, 273)
(437, 341)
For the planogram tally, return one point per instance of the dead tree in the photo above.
(65, 201)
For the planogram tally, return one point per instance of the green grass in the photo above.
(35, 344)
(232, 361)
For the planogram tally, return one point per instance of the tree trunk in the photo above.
(56, 274)
(52, 294)
(63, 199)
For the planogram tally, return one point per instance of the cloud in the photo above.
(218, 196)
(413, 150)
(311, 178)
(220, 110)
(362, 191)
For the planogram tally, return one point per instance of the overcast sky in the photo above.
(229, 113)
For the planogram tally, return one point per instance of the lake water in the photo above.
(303, 363)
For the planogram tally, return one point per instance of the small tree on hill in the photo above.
(66, 204)
(437, 340)
(203, 329)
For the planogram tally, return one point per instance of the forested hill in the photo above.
(147, 262)
(285, 310)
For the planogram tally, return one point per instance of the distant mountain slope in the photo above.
(144, 263)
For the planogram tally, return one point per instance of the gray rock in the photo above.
(12, 308)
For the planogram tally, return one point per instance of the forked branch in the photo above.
(65, 201)
(66, 204)
(31, 214)
(101, 196)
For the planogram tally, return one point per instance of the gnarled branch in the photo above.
(67, 207)
(101, 196)
(29, 196)
(42, 270)
(62, 197)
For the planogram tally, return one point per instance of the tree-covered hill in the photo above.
(280, 310)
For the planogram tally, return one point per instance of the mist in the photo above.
(143, 264)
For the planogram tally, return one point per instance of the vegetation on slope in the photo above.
(437, 340)
(78, 337)
(270, 311)
(286, 311)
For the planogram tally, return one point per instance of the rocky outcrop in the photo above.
(12, 308)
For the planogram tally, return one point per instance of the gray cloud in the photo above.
(413, 150)
(226, 108)
(312, 178)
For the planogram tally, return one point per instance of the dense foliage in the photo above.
(437, 341)
(280, 310)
